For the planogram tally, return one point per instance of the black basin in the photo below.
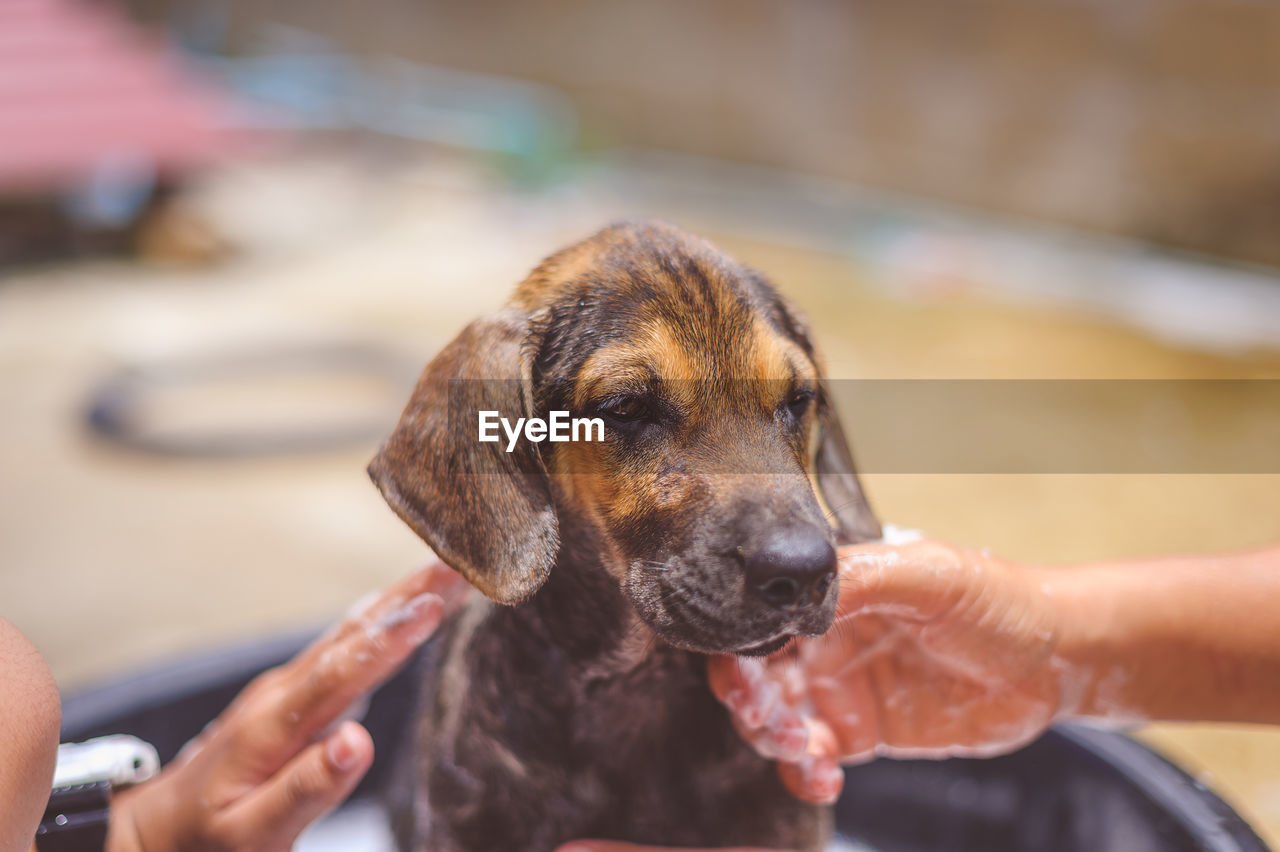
(1074, 790)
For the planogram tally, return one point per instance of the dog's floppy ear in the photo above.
(838, 478)
(833, 463)
(485, 511)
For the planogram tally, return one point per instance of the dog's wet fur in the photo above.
(571, 701)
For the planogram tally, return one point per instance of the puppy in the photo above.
(571, 700)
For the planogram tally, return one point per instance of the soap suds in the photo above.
(896, 536)
(391, 619)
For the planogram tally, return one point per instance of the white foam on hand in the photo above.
(897, 536)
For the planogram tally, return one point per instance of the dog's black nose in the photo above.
(791, 567)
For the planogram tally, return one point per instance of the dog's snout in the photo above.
(791, 568)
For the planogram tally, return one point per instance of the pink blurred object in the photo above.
(83, 88)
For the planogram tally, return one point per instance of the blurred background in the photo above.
(231, 232)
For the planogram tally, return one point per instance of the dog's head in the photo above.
(722, 482)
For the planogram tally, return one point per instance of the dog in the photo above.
(570, 700)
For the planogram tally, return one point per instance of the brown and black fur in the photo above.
(573, 701)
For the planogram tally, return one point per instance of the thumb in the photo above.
(916, 579)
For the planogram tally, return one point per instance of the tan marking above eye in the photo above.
(610, 371)
(671, 359)
(769, 366)
(778, 365)
(629, 367)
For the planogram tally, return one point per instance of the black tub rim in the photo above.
(1198, 809)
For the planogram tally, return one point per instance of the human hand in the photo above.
(272, 763)
(936, 651)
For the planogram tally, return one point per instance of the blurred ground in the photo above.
(113, 559)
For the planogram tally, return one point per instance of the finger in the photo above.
(850, 720)
(912, 580)
(784, 737)
(751, 689)
(314, 782)
(371, 616)
(375, 609)
(286, 708)
(742, 684)
(761, 703)
(725, 676)
(312, 693)
(786, 730)
(813, 779)
(815, 776)
(434, 578)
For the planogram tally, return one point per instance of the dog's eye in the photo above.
(798, 403)
(627, 409)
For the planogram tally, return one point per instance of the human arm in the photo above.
(1177, 639)
(30, 714)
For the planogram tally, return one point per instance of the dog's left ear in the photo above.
(833, 463)
(838, 478)
(485, 511)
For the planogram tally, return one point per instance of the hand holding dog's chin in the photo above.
(278, 757)
(937, 651)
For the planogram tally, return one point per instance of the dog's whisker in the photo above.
(832, 512)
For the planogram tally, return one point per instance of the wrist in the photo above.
(122, 831)
(1096, 644)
